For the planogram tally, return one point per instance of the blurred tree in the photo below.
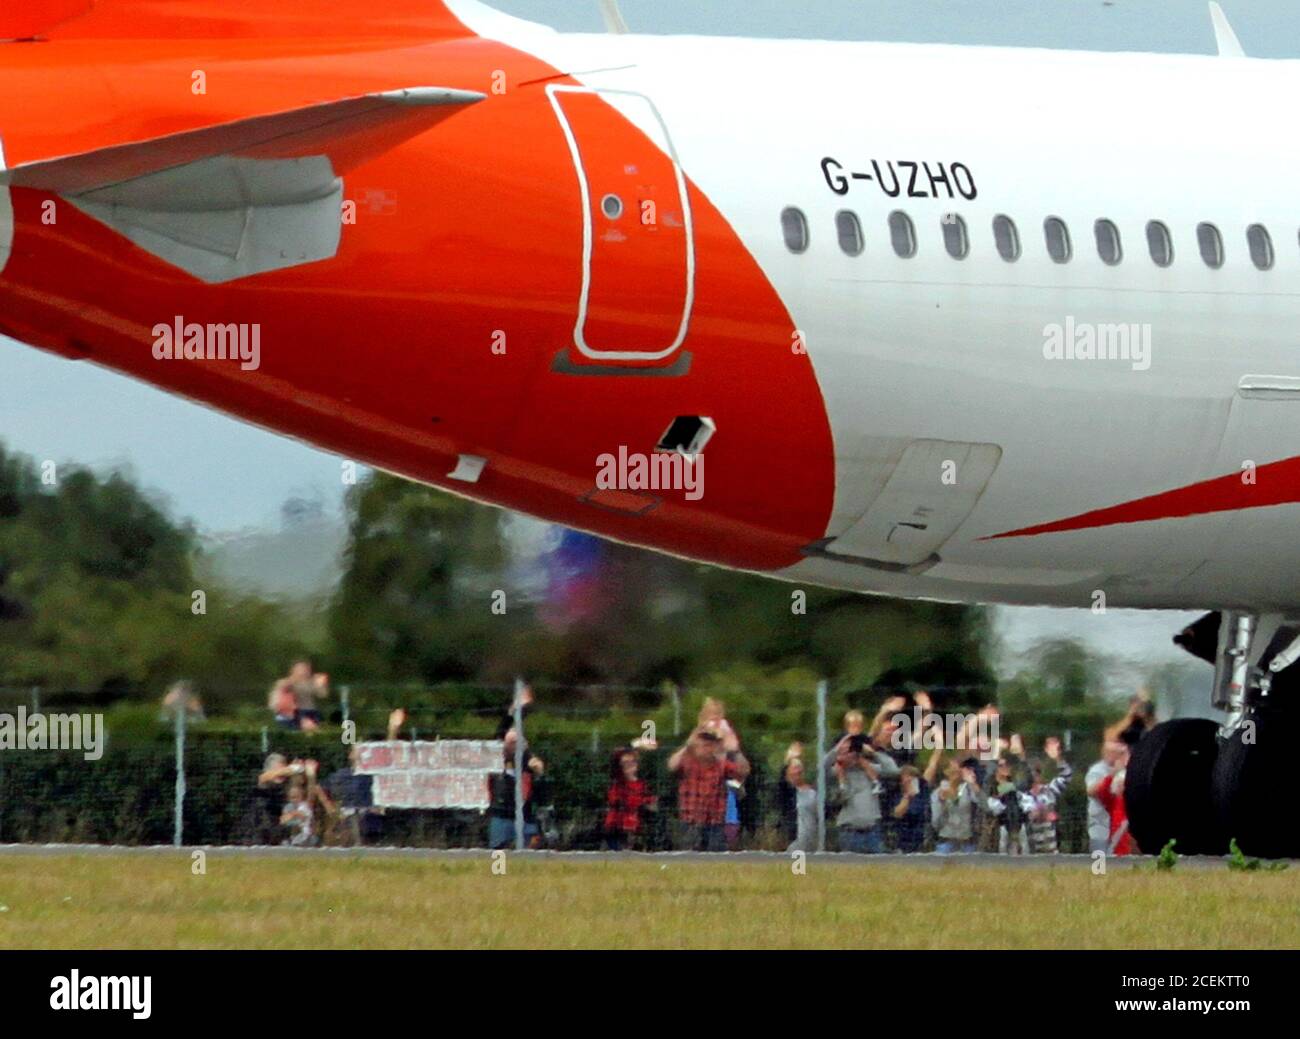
(422, 566)
(1065, 686)
(416, 597)
(96, 594)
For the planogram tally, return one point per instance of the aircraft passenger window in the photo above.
(954, 236)
(612, 206)
(1007, 238)
(1058, 239)
(1261, 246)
(1160, 244)
(1211, 243)
(849, 229)
(1108, 247)
(902, 234)
(794, 226)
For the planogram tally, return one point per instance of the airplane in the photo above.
(970, 324)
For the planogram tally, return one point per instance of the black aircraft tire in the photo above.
(1167, 791)
(1252, 779)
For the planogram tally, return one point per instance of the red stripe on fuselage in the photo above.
(1277, 483)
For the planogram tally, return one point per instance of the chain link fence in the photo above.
(439, 767)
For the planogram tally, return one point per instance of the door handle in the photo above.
(1269, 387)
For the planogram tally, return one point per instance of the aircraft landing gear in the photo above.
(1168, 790)
(1204, 783)
(1252, 779)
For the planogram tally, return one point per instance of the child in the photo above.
(298, 817)
(1040, 800)
(628, 797)
(301, 799)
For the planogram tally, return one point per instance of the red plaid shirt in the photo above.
(625, 802)
(702, 793)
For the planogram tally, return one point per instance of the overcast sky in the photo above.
(225, 475)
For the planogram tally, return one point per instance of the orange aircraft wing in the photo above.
(245, 197)
(346, 132)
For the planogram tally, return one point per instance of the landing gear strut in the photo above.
(1204, 783)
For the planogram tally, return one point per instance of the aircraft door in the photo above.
(638, 274)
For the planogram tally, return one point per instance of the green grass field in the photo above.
(137, 901)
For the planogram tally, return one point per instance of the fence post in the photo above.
(180, 774)
(519, 764)
(266, 741)
(344, 692)
(821, 771)
(677, 710)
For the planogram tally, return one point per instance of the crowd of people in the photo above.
(878, 799)
(991, 795)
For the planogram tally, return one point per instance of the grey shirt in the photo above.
(860, 794)
(954, 818)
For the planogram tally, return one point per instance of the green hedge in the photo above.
(127, 797)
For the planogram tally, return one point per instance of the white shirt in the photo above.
(1098, 817)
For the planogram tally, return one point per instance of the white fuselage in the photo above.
(934, 348)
